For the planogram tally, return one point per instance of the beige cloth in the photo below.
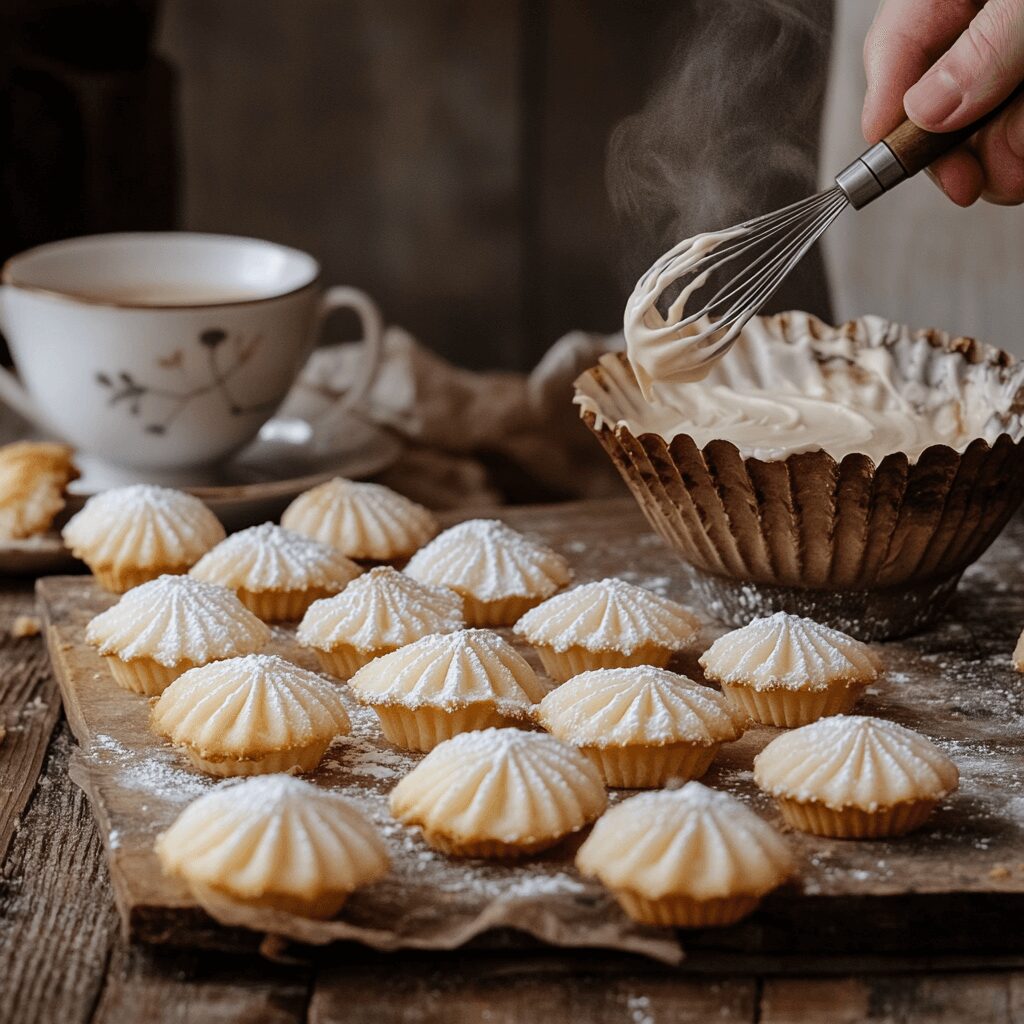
(474, 438)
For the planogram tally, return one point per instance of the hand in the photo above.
(947, 62)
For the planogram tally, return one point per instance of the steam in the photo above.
(730, 131)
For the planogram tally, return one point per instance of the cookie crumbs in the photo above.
(24, 626)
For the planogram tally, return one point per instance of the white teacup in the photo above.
(165, 350)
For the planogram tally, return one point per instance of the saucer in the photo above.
(287, 458)
(41, 555)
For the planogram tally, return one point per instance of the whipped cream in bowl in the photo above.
(794, 384)
(848, 474)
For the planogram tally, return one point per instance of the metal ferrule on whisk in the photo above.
(875, 171)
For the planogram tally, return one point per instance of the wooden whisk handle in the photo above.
(906, 150)
(916, 148)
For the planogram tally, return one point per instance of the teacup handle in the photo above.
(12, 392)
(343, 297)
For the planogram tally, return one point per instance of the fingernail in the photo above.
(933, 99)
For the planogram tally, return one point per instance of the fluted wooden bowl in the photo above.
(875, 550)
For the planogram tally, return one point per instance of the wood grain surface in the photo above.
(62, 957)
(29, 708)
(954, 684)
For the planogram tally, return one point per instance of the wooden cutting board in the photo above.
(954, 887)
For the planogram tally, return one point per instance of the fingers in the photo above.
(959, 175)
(946, 63)
(1000, 148)
(906, 37)
(982, 67)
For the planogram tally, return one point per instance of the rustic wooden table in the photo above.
(62, 958)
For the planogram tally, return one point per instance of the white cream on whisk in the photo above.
(659, 349)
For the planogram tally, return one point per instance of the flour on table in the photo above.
(367, 759)
(154, 773)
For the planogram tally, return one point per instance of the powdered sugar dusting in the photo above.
(177, 618)
(368, 761)
(622, 706)
(135, 500)
(267, 557)
(382, 608)
(609, 614)
(855, 760)
(361, 754)
(361, 520)
(490, 561)
(450, 671)
(265, 794)
(156, 772)
(784, 650)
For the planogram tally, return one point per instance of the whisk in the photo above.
(770, 246)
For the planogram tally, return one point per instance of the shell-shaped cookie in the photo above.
(382, 608)
(33, 476)
(245, 708)
(609, 614)
(500, 785)
(361, 520)
(175, 619)
(277, 841)
(787, 651)
(451, 671)
(142, 526)
(267, 557)
(854, 761)
(692, 841)
(489, 561)
(617, 707)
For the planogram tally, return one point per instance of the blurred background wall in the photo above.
(88, 121)
(446, 155)
(449, 156)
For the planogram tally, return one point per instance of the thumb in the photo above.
(977, 73)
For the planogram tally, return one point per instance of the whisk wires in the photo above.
(770, 246)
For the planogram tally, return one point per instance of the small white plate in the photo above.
(285, 460)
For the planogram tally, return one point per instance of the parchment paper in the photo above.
(138, 785)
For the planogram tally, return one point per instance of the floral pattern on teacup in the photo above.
(158, 406)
